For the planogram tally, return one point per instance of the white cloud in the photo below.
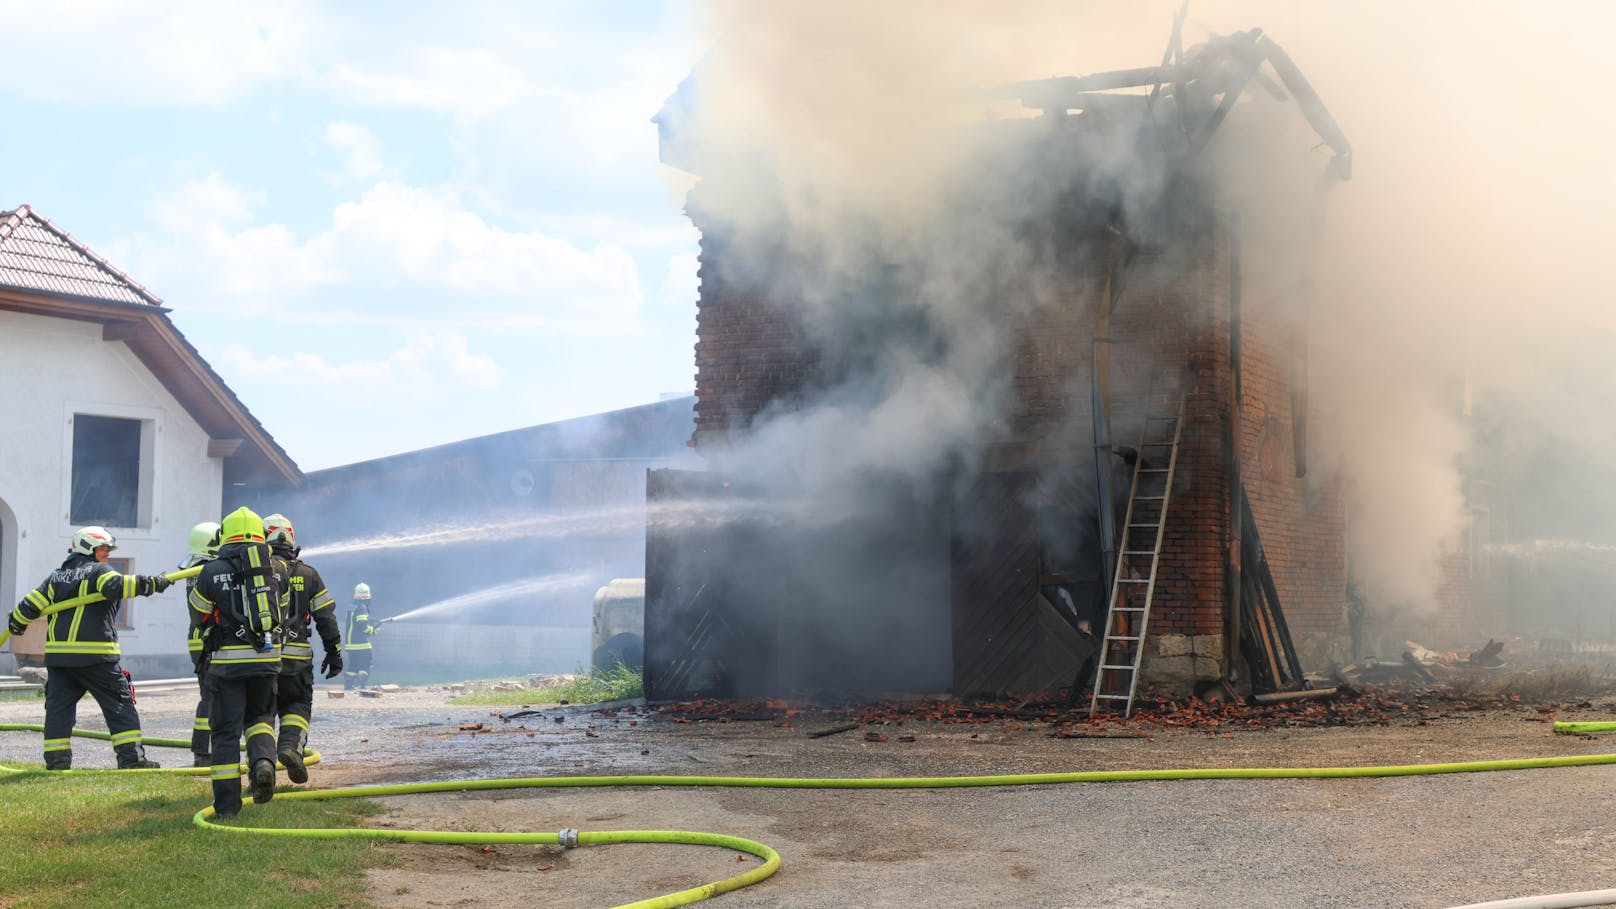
(210, 245)
(409, 253)
(151, 53)
(360, 150)
(429, 367)
(211, 200)
(467, 83)
(681, 285)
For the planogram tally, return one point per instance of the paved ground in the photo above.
(1415, 842)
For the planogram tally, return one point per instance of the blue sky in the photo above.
(387, 226)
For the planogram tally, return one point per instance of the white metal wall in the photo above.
(50, 369)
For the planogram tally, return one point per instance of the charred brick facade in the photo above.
(1171, 318)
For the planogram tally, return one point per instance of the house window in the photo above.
(111, 484)
(126, 614)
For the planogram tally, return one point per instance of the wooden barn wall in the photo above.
(1007, 636)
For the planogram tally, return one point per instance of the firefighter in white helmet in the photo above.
(310, 604)
(356, 651)
(201, 546)
(81, 648)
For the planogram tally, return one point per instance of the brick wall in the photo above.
(1302, 520)
(750, 351)
(1175, 314)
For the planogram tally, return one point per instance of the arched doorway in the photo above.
(9, 536)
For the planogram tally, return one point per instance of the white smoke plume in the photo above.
(1461, 263)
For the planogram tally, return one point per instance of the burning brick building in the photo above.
(1061, 424)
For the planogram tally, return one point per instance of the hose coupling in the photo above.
(568, 838)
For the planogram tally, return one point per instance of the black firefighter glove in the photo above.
(15, 626)
(332, 664)
(152, 584)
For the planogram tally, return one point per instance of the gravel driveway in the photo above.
(1431, 841)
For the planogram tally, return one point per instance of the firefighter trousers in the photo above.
(201, 727)
(294, 702)
(64, 686)
(358, 668)
(239, 706)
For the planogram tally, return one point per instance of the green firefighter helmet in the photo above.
(277, 529)
(86, 540)
(203, 542)
(361, 592)
(242, 526)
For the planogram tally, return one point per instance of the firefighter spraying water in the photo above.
(358, 634)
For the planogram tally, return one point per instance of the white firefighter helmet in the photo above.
(277, 529)
(86, 540)
(203, 542)
(361, 591)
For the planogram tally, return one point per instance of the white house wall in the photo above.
(49, 369)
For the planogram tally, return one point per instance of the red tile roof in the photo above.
(37, 255)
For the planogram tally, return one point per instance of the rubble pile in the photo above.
(1347, 707)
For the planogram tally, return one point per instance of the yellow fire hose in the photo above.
(771, 859)
(1578, 728)
(310, 756)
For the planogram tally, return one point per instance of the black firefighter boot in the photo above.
(290, 751)
(226, 797)
(58, 760)
(133, 757)
(262, 780)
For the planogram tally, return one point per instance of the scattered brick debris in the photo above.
(1054, 714)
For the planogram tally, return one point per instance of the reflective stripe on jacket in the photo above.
(310, 603)
(359, 628)
(84, 634)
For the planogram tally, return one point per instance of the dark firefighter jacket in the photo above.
(235, 652)
(194, 638)
(360, 627)
(310, 602)
(84, 635)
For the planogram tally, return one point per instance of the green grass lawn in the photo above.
(121, 840)
(618, 684)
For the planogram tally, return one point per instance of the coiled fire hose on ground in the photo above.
(771, 859)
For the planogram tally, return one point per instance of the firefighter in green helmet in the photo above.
(241, 599)
(201, 546)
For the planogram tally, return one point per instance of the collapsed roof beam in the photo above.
(1247, 51)
(1318, 116)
